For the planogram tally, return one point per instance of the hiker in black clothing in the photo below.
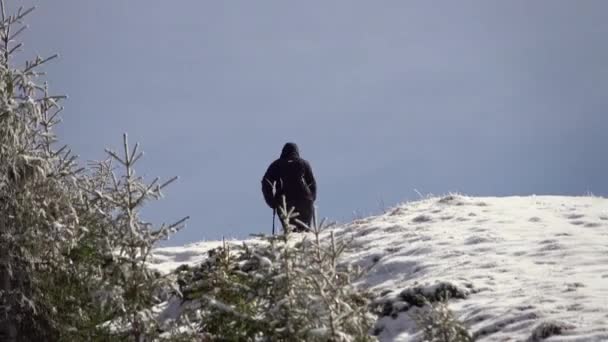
(291, 176)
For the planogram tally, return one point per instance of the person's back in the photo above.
(291, 177)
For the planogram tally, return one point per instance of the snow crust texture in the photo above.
(516, 268)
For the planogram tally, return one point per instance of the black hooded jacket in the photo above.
(292, 177)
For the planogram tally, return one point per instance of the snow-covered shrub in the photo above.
(73, 248)
(438, 323)
(286, 288)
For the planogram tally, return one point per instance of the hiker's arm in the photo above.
(310, 180)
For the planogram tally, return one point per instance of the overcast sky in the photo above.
(384, 98)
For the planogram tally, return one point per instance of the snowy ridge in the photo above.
(513, 264)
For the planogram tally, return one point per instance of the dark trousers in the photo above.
(305, 210)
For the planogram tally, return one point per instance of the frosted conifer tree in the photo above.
(34, 230)
(73, 247)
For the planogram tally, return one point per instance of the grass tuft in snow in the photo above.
(420, 295)
(547, 329)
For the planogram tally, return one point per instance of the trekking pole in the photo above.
(274, 214)
(314, 216)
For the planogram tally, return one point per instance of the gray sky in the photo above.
(479, 97)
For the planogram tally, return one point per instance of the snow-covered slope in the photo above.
(518, 263)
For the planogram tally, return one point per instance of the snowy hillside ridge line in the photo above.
(517, 268)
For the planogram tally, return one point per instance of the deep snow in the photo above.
(519, 262)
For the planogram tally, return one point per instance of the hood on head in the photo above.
(290, 150)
